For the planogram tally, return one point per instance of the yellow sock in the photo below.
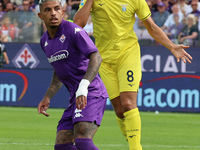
(122, 125)
(133, 129)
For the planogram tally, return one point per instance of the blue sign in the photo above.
(169, 92)
(159, 59)
(153, 58)
(166, 85)
(25, 87)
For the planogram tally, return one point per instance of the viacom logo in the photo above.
(9, 86)
(170, 93)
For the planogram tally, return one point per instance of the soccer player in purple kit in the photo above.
(76, 62)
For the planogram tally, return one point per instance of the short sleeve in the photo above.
(142, 10)
(84, 43)
(82, 4)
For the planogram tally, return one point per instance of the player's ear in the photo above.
(40, 16)
(63, 12)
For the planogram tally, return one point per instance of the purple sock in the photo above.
(85, 144)
(68, 146)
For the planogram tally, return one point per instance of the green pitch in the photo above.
(25, 129)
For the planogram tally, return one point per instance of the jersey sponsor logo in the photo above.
(78, 113)
(62, 54)
(102, 4)
(62, 38)
(124, 6)
(25, 58)
(77, 30)
(8, 92)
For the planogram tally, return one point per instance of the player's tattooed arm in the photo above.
(52, 90)
(54, 86)
(93, 67)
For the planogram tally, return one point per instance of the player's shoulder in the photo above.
(72, 28)
(70, 25)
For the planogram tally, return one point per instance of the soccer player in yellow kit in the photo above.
(117, 43)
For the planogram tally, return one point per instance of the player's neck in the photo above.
(52, 32)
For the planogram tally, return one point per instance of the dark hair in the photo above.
(42, 1)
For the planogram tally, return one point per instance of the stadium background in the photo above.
(166, 85)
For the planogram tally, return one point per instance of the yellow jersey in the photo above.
(113, 22)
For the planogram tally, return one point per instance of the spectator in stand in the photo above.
(142, 34)
(183, 7)
(11, 13)
(190, 6)
(89, 28)
(9, 7)
(171, 3)
(32, 5)
(74, 4)
(2, 13)
(167, 6)
(7, 30)
(161, 15)
(175, 29)
(189, 34)
(5, 2)
(195, 11)
(26, 23)
(154, 4)
(170, 21)
(149, 3)
(15, 7)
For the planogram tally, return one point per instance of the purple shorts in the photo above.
(93, 112)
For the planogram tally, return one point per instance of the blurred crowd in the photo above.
(19, 21)
(179, 19)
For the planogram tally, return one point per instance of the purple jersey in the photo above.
(68, 53)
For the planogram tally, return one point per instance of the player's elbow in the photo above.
(79, 21)
(96, 57)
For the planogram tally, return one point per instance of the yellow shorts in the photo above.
(123, 76)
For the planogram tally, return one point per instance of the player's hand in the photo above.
(81, 94)
(179, 52)
(81, 102)
(43, 106)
